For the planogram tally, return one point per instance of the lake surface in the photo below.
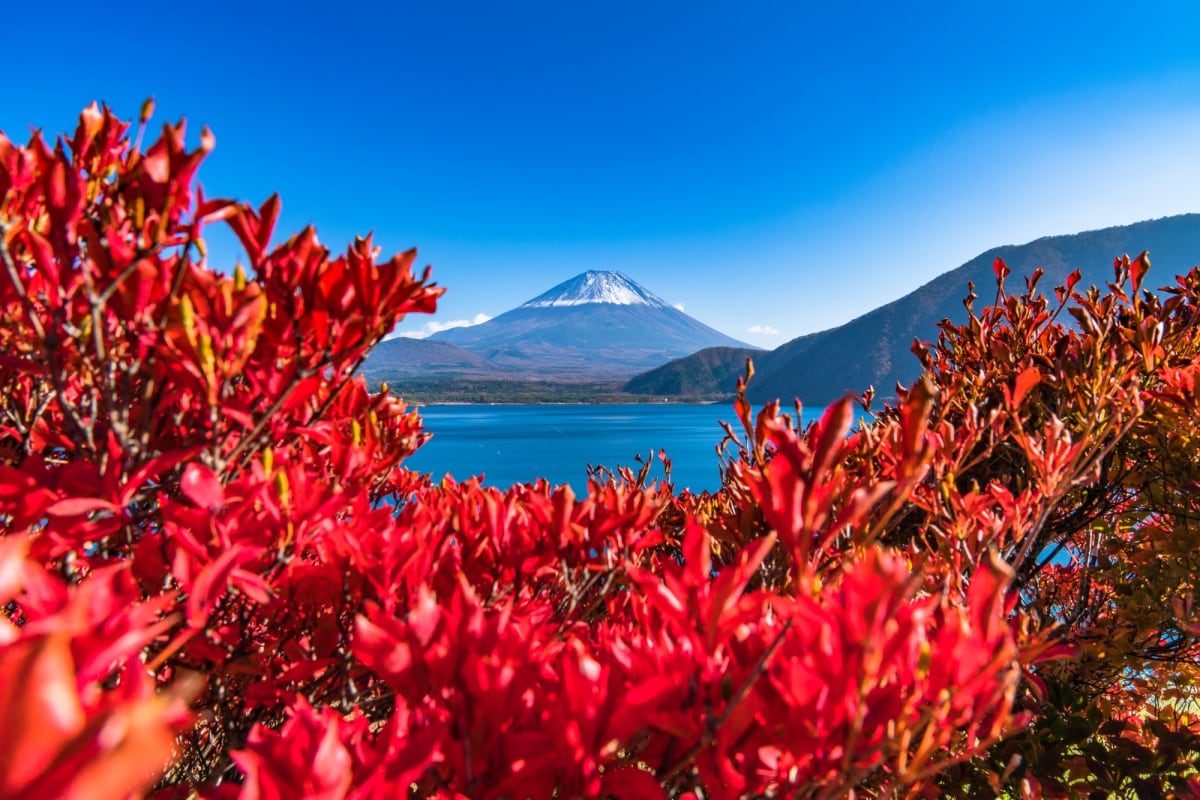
(518, 443)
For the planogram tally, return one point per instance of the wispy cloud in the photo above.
(679, 306)
(763, 330)
(432, 327)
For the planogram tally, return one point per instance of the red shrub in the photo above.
(214, 561)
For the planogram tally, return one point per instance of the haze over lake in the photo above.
(519, 443)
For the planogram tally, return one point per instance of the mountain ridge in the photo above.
(874, 349)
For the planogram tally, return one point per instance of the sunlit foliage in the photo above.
(219, 579)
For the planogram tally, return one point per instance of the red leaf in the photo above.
(201, 485)
(835, 424)
(1028, 379)
(424, 616)
(155, 467)
(631, 782)
(986, 599)
(212, 583)
(268, 213)
(1073, 279)
(697, 554)
(1001, 269)
(40, 706)
(75, 506)
(251, 585)
(380, 649)
(1138, 269)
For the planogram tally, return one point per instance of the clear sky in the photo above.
(778, 167)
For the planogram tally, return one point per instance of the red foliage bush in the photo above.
(221, 581)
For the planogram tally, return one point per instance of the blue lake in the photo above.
(518, 443)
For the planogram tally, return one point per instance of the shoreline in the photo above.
(487, 403)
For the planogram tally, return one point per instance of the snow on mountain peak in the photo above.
(597, 287)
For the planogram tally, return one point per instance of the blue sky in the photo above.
(780, 167)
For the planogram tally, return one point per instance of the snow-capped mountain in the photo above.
(597, 287)
(596, 325)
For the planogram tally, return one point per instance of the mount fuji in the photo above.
(599, 325)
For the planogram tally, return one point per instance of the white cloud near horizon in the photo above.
(432, 327)
(679, 306)
(763, 330)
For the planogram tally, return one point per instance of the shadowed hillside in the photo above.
(876, 348)
(712, 371)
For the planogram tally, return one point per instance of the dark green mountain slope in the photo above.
(709, 372)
